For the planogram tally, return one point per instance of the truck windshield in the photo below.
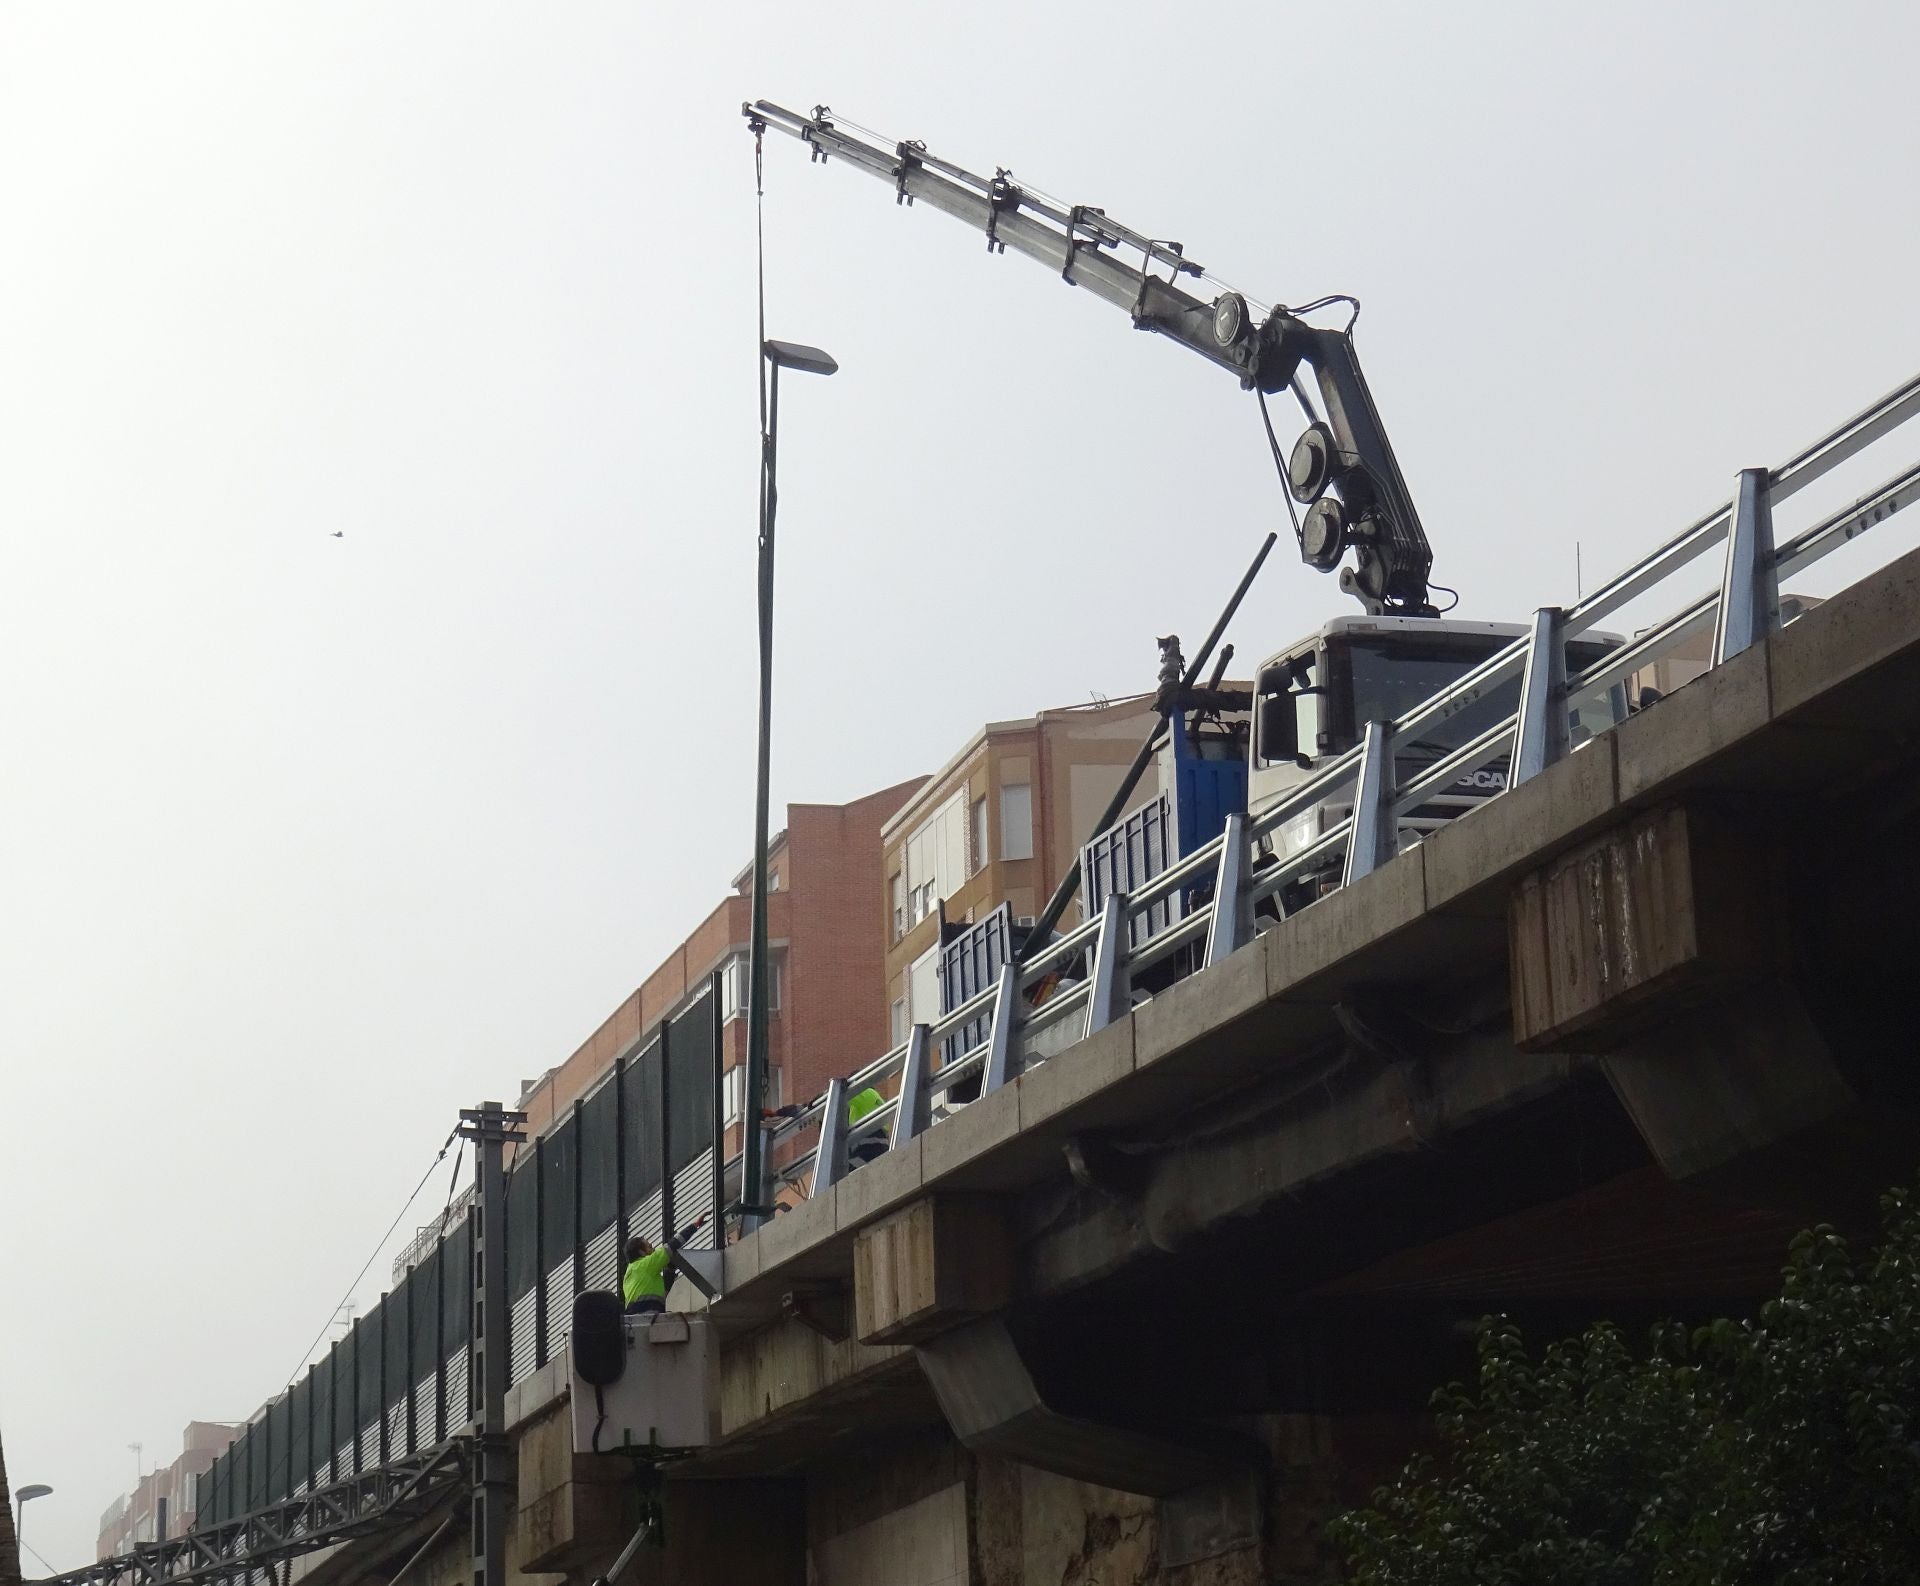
(1391, 677)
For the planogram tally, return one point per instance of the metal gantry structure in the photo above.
(1204, 905)
(399, 1493)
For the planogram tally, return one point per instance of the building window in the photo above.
(977, 833)
(897, 894)
(923, 987)
(897, 1022)
(937, 857)
(1016, 821)
(733, 1091)
(736, 981)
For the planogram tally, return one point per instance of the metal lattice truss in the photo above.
(396, 1494)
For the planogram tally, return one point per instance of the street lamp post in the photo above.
(21, 1499)
(753, 1190)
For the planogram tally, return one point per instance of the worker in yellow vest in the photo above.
(644, 1283)
(859, 1104)
(869, 1146)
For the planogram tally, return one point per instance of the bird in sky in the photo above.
(339, 534)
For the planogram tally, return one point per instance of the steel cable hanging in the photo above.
(374, 1255)
(282, 1466)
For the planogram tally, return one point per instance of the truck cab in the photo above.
(1313, 699)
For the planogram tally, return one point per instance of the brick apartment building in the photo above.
(162, 1505)
(826, 929)
(999, 822)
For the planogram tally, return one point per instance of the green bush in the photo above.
(1781, 1449)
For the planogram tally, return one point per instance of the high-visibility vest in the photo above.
(646, 1278)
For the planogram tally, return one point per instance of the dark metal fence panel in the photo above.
(690, 1086)
(642, 1125)
(1125, 859)
(398, 1376)
(969, 964)
(425, 1281)
(347, 1389)
(599, 1141)
(558, 1232)
(456, 1278)
(367, 1358)
(523, 1265)
(299, 1432)
(280, 1478)
(321, 1403)
(255, 1466)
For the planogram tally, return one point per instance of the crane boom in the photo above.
(1344, 468)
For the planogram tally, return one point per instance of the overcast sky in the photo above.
(308, 841)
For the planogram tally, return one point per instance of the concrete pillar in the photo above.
(1666, 946)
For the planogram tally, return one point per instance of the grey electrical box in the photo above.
(667, 1395)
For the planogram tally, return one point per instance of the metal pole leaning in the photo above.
(915, 1113)
(1232, 925)
(830, 1153)
(1370, 844)
(1540, 736)
(1749, 596)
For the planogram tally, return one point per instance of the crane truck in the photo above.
(1227, 750)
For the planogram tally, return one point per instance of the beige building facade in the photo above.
(1000, 822)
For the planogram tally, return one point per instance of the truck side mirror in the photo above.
(1280, 726)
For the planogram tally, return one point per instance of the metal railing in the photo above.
(1361, 804)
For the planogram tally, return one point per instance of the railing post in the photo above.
(1540, 734)
(1232, 924)
(1000, 1030)
(915, 1112)
(1749, 589)
(1109, 995)
(830, 1153)
(1371, 842)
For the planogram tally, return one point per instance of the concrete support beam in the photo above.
(1744, 1095)
(991, 1401)
(1635, 925)
(941, 1261)
(570, 1506)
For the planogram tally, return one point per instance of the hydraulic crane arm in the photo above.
(1343, 468)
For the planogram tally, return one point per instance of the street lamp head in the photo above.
(793, 355)
(27, 1494)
